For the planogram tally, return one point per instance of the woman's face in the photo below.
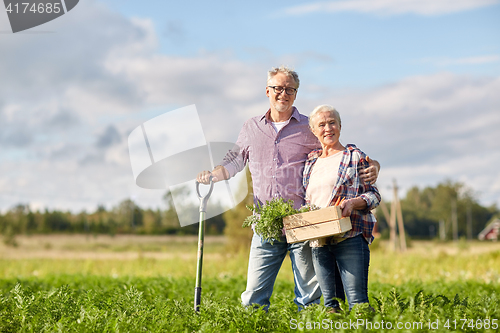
(326, 128)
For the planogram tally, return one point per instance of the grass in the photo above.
(75, 303)
(170, 256)
(107, 284)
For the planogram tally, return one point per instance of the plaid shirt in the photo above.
(350, 186)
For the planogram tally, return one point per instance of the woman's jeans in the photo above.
(349, 258)
(263, 267)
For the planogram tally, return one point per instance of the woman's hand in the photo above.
(349, 205)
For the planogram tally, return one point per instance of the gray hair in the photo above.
(284, 70)
(325, 108)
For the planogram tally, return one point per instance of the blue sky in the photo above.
(416, 84)
(345, 48)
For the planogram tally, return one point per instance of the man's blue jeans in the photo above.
(349, 258)
(263, 267)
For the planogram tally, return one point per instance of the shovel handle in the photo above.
(197, 298)
(204, 198)
(201, 235)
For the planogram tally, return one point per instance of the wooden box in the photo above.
(315, 224)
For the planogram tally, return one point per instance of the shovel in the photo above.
(201, 235)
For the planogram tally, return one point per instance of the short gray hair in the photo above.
(284, 70)
(325, 108)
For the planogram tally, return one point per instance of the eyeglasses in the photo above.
(279, 90)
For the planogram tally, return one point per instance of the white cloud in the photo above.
(476, 60)
(224, 90)
(426, 129)
(68, 100)
(391, 7)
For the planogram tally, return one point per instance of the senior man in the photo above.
(275, 146)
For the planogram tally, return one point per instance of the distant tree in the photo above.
(418, 219)
(217, 224)
(101, 208)
(13, 223)
(423, 209)
(189, 211)
(171, 221)
(129, 215)
(151, 221)
(184, 209)
(57, 221)
(31, 222)
(82, 223)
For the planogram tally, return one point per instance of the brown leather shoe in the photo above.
(333, 310)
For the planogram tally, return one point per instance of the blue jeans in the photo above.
(349, 259)
(263, 267)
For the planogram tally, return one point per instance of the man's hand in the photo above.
(204, 177)
(370, 174)
(217, 174)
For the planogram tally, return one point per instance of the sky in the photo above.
(416, 83)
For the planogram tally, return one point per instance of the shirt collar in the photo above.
(314, 154)
(295, 114)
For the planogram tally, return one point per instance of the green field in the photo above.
(146, 284)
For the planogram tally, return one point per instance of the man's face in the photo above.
(281, 102)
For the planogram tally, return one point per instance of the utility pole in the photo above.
(401, 227)
(387, 216)
(385, 211)
(396, 216)
(402, 236)
(392, 222)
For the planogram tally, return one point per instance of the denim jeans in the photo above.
(263, 267)
(349, 259)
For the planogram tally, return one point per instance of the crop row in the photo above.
(79, 303)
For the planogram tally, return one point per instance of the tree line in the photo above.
(425, 211)
(125, 218)
(429, 212)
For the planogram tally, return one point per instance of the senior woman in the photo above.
(330, 173)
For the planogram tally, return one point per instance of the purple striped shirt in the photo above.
(275, 159)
